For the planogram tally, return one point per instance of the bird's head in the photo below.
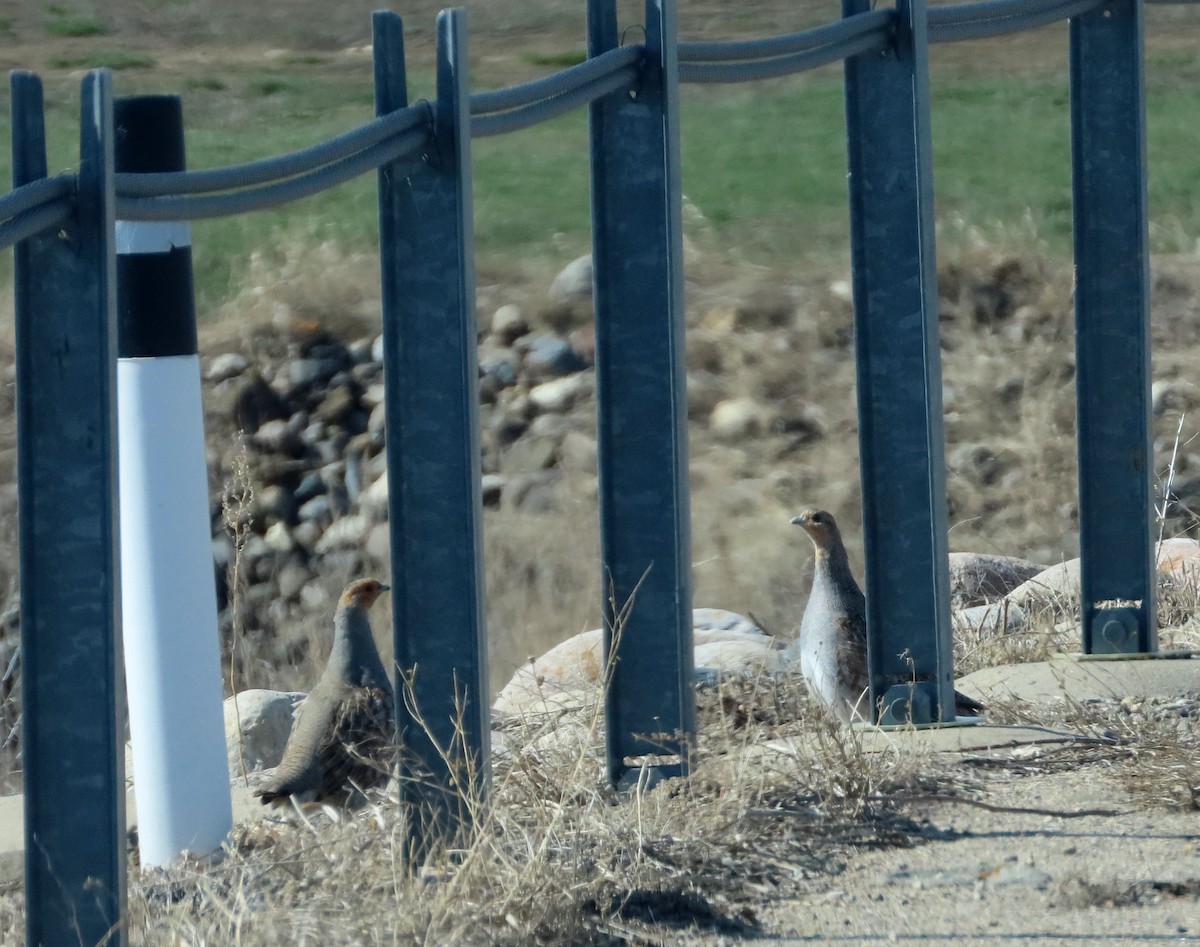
(362, 593)
(821, 528)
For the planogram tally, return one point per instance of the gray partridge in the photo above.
(832, 644)
(344, 728)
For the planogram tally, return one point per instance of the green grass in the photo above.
(67, 23)
(765, 165)
(556, 60)
(114, 59)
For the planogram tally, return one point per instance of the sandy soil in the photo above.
(985, 877)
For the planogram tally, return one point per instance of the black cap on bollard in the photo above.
(156, 312)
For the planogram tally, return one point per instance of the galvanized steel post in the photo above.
(433, 442)
(1112, 330)
(74, 695)
(641, 402)
(899, 374)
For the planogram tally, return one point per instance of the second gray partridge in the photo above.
(832, 643)
(344, 728)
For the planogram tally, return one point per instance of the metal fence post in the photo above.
(67, 475)
(899, 374)
(433, 440)
(645, 529)
(1112, 330)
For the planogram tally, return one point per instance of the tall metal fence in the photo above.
(62, 230)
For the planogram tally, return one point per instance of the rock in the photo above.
(291, 579)
(995, 619)
(272, 504)
(560, 394)
(249, 402)
(503, 366)
(530, 454)
(1178, 560)
(279, 437)
(265, 720)
(1175, 396)
(379, 543)
(305, 372)
(226, 366)
(705, 391)
(534, 493)
(508, 324)
(492, 487)
(348, 532)
(374, 499)
(549, 356)
(573, 284)
(310, 486)
(570, 673)
(1059, 584)
(577, 452)
(736, 418)
(583, 343)
(279, 539)
(552, 426)
(318, 509)
(977, 578)
(377, 349)
(337, 406)
(377, 419)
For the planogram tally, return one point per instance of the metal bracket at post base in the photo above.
(1115, 631)
(911, 705)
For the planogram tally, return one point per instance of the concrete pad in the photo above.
(1086, 679)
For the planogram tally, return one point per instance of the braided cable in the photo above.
(560, 83)
(30, 223)
(269, 170)
(281, 192)
(31, 195)
(486, 125)
(783, 65)
(998, 17)
(828, 34)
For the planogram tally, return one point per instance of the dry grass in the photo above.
(556, 857)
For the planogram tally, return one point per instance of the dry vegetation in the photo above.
(557, 858)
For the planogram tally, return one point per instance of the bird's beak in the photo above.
(384, 588)
(800, 520)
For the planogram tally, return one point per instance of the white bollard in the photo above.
(168, 597)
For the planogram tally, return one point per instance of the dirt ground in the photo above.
(986, 877)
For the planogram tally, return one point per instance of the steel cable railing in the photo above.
(52, 213)
(556, 85)
(541, 111)
(192, 207)
(969, 21)
(257, 185)
(779, 66)
(34, 194)
(272, 170)
(828, 34)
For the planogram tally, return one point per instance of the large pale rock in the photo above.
(574, 283)
(736, 418)
(998, 618)
(569, 675)
(1178, 560)
(266, 720)
(978, 578)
